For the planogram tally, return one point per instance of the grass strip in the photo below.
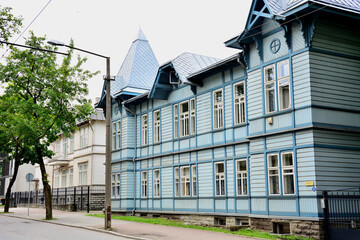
(174, 223)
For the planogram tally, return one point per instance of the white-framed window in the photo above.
(157, 126)
(270, 94)
(113, 189)
(83, 173)
(157, 183)
(118, 134)
(176, 121)
(241, 177)
(117, 184)
(283, 78)
(144, 184)
(184, 119)
(71, 176)
(63, 178)
(57, 147)
(65, 147)
(144, 139)
(113, 131)
(239, 103)
(84, 137)
(219, 179)
(288, 173)
(176, 179)
(218, 109)
(192, 116)
(56, 178)
(193, 175)
(72, 143)
(185, 181)
(273, 174)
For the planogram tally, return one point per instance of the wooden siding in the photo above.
(203, 120)
(298, 41)
(257, 175)
(301, 79)
(268, 55)
(254, 96)
(306, 170)
(254, 56)
(205, 176)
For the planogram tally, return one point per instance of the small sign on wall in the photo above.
(309, 183)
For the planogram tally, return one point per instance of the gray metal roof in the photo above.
(139, 67)
(279, 7)
(188, 63)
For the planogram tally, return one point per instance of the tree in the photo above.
(8, 23)
(52, 96)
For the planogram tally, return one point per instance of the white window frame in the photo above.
(144, 184)
(241, 178)
(65, 147)
(113, 131)
(273, 172)
(283, 83)
(185, 181)
(184, 119)
(218, 107)
(72, 143)
(83, 167)
(117, 184)
(287, 170)
(56, 178)
(176, 182)
(113, 189)
(192, 116)
(157, 128)
(63, 178)
(144, 127)
(270, 85)
(71, 176)
(156, 176)
(176, 120)
(57, 147)
(220, 180)
(84, 135)
(193, 182)
(118, 134)
(239, 104)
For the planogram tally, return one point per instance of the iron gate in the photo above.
(342, 214)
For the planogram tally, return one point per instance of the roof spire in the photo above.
(141, 35)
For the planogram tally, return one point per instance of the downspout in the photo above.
(133, 113)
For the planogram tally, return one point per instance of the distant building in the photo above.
(253, 138)
(5, 175)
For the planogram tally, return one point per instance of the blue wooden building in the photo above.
(251, 139)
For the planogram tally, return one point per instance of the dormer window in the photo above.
(173, 78)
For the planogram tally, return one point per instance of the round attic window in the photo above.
(275, 45)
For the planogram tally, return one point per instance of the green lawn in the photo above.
(161, 221)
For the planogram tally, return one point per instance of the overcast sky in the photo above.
(108, 27)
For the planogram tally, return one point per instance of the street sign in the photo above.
(29, 177)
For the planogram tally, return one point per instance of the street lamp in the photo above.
(107, 78)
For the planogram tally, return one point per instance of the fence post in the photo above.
(81, 199)
(88, 199)
(65, 196)
(74, 206)
(326, 215)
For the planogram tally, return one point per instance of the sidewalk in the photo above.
(132, 230)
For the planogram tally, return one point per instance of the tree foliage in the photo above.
(9, 24)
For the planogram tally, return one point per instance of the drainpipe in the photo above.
(133, 113)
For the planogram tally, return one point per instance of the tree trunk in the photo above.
(45, 181)
(8, 191)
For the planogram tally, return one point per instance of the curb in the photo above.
(80, 227)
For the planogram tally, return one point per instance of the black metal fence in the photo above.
(72, 198)
(342, 214)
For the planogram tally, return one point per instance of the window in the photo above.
(117, 184)
(157, 183)
(65, 147)
(176, 121)
(184, 119)
(241, 177)
(219, 179)
(72, 143)
(185, 181)
(84, 137)
(63, 178)
(270, 102)
(283, 84)
(176, 179)
(113, 190)
(83, 174)
(157, 126)
(192, 115)
(239, 103)
(143, 184)
(144, 130)
(57, 147)
(288, 173)
(56, 178)
(194, 188)
(218, 109)
(71, 176)
(113, 145)
(273, 168)
(118, 134)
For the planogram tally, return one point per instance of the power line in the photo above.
(2, 56)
